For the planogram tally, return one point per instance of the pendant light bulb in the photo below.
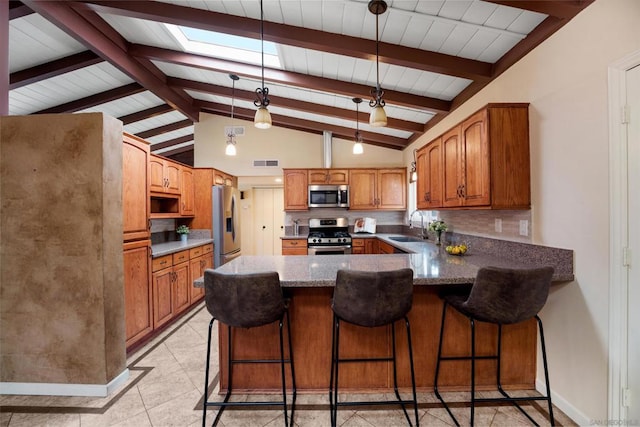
(262, 119)
(358, 148)
(378, 116)
(230, 150)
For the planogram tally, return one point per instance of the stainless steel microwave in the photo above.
(328, 196)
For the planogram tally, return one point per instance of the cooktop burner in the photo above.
(328, 231)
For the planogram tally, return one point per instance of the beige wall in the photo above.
(293, 149)
(565, 80)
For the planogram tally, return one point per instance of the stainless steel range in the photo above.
(328, 236)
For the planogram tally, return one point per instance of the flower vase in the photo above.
(438, 237)
(183, 238)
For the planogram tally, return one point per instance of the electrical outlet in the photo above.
(498, 225)
(524, 227)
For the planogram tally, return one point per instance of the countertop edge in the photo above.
(167, 248)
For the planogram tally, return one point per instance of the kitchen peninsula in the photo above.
(308, 281)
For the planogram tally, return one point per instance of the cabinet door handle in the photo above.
(264, 226)
(294, 243)
(462, 192)
(149, 224)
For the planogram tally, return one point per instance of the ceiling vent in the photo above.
(266, 163)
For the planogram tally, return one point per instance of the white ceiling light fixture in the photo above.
(231, 136)
(262, 120)
(378, 116)
(358, 147)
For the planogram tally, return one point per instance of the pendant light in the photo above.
(231, 136)
(378, 117)
(414, 172)
(262, 120)
(357, 147)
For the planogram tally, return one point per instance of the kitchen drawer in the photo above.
(162, 262)
(200, 250)
(357, 243)
(294, 243)
(206, 249)
(181, 256)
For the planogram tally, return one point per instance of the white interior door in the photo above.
(633, 186)
(268, 220)
(278, 220)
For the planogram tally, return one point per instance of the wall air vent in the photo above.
(238, 130)
(266, 163)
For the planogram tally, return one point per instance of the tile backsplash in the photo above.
(483, 223)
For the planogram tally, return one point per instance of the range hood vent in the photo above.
(326, 141)
(266, 163)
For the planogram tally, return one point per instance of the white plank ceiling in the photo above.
(471, 35)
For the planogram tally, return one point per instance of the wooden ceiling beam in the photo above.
(286, 77)
(563, 9)
(93, 100)
(165, 129)
(293, 104)
(297, 36)
(53, 68)
(179, 150)
(308, 126)
(146, 114)
(18, 9)
(172, 142)
(92, 31)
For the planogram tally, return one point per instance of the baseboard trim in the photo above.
(55, 389)
(561, 403)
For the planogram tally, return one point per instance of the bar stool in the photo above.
(371, 299)
(500, 296)
(247, 301)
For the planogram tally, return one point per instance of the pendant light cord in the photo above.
(262, 39)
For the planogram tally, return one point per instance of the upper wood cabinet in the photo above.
(135, 188)
(187, 191)
(380, 189)
(328, 176)
(222, 178)
(164, 175)
(429, 184)
(485, 161)
(295, 190)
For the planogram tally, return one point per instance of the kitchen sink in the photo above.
(405, 239)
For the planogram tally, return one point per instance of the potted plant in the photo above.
(183, 231)
(438, 227)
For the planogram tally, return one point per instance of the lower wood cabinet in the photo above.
(385, 248)
(294, 246)
(137, 290)
(357, 247)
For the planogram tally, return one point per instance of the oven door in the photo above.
(329, 250)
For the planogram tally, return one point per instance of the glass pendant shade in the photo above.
(231, 149)
(414, 176)
(378, 117)
(262, 120)
(358, 148)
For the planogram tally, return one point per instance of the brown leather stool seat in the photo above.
(371, 299)
(500, 296)
(247, 301)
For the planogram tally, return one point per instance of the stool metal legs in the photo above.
(288, 421)
(336, 360)
(497, 357)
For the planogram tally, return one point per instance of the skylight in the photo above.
(225, 46)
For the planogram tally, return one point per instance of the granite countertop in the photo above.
(167, 248)
(430, 263)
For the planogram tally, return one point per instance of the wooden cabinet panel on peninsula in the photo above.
(485, 161)
(296, 185)
(378, 189)
(328, 176)
(135, 188)
(201, 259)
(164, 175)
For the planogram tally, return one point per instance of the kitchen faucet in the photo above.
(423, 232)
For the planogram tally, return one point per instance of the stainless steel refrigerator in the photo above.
(226, 224)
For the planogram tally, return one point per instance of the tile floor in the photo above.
(165, 389)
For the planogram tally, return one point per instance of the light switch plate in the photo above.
(498, 225)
